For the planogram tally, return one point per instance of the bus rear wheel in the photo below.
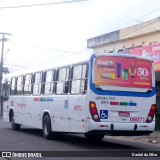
(47, 133)
(14, 125)
(94, 136)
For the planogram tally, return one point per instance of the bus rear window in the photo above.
(126, 72)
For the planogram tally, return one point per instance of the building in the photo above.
(143, 38)
(145, 33)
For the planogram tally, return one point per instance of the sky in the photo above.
(58, 30)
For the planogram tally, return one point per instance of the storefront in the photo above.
(152, 51)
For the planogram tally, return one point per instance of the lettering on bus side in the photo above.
(78, 108)
(137, 119)
(105, 100)
(21, 105)
(124, 114)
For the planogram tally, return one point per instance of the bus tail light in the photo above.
(93, 111)
(151, 113)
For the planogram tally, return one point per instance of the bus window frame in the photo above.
(63, 82)
(28, 84)
(14, 86)
(19, 85)
(38, 84)
(80, 79)
(51, 82)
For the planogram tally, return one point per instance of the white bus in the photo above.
(104, 94)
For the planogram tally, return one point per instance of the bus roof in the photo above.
(56, 64)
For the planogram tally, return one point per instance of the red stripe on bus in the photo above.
(36, 99)
(114, 103)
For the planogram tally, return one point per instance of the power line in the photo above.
(14, 65)
(57, 58)
(54, 50)
(141, 27)
(38, 46)
(50, 48)
(137, 18)
(50, 57)
(80, 51)
(73, 53)
(42, 4)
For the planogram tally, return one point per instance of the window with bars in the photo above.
(19, 87)
(27, 84)
(79, 79)
(37, 83)
(13, 86)
(62, 83)
(49, 84)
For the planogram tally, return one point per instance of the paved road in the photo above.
(30, 139)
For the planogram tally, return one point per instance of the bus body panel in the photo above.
(125, 107)
(122, 108)
(124, 117)
(119, 109)
(77, 113)
(59, 113)
(119, 127)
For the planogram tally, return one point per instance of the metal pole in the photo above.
(1, 71)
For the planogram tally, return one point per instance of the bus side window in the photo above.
(79, 79)
(49, 83)
(37, 83)
(27, 84)
(13, 86)
(62, 84)
(19, 87)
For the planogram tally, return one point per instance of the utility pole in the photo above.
(1, 70)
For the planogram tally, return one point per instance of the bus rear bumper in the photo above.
(114, 127)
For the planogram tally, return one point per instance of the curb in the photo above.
(138, 140)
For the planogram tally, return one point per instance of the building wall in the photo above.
(142, 40)
(141, 34)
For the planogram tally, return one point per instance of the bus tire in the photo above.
(47, 133)
(14, 125)
(94, 136)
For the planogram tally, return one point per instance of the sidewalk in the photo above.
(153, 138)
